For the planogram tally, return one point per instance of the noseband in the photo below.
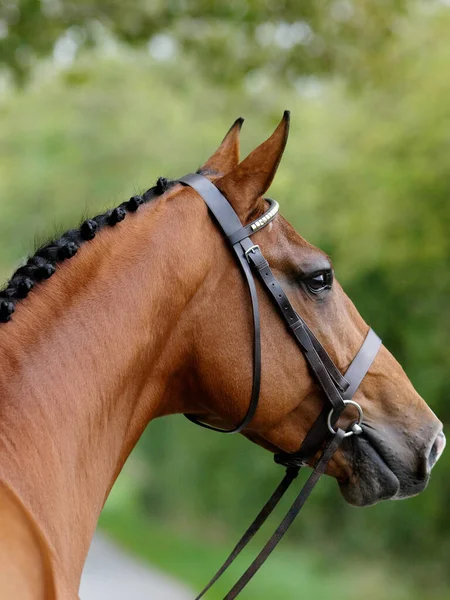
(338, 389)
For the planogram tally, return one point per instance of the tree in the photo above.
(229, 40)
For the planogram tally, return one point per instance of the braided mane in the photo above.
(43, 263)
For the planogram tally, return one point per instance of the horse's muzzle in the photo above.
(389, 466)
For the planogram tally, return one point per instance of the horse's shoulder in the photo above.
(25, 558)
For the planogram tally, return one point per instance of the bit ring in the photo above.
(355, 429)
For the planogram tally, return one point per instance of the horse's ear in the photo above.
(245, 185)
(226, 157)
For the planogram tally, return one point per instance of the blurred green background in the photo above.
(98, 99)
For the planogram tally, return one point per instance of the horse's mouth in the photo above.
(378, 474)
(380, 468)
(372, 479)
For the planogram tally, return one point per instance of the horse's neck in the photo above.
(79, 384)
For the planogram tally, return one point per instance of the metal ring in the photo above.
(356, 427)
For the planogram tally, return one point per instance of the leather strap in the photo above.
(319, 431)
(248, 230)
(229, 222)
(298, 329)
(361, 363)
(261, 518)
(223, 211)
(292, 513)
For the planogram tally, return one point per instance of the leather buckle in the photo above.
(251, 249)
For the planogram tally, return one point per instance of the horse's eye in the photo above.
(320, 281)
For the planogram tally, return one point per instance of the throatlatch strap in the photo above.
(229, 223)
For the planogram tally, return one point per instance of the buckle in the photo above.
(251, 249)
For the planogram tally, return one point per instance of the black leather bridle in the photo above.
(337, 388)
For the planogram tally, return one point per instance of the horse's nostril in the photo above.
(436, 450)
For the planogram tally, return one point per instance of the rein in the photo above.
(338, 389)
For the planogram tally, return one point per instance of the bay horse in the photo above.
(150, 317)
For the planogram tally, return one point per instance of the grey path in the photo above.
(113, 575)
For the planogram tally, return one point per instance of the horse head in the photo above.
(401, 437)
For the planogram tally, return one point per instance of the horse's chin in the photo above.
(372, 480)
(376, 478)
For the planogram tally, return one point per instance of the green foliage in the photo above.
(365, 177)
(193, 560)
(278, 38)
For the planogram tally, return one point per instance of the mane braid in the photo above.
(43, 263)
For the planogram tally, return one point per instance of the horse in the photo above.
(141, 313)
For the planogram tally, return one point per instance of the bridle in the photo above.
(337, 388)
